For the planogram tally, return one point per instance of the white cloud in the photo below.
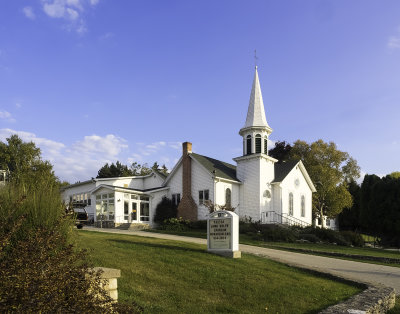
(5, 115)
(82, 159)
(18, 105)
(109, 146)
(69, 10)
(394, 41)
(28, 11)
(94, 2)
(106, 36)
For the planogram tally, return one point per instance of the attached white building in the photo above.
(258, 186)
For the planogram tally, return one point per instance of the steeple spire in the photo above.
(256, 113)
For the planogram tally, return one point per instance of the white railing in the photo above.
(272, 217)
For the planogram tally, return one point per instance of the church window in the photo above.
(203, 196)
(258, 144)
(228, 198)
(303, 206)
(266, 145)
(291, 204)
(328, 222)
(248, 144)
(176, 199)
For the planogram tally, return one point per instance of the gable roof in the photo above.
(161, 174)
(282, 169)
(115, 187)
(222, 169)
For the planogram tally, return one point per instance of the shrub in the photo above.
(310, 237)
(278, 233)
(165, 209)
(199, 225)
(352, 237)
(176, 224)
(331, 236)
(43, 273)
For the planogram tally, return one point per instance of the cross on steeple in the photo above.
(255, 58)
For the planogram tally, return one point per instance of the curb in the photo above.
(359, 257)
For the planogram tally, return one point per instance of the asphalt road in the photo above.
(357, 271)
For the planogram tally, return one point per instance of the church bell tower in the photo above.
(255, 169)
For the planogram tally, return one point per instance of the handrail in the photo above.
(275, 218)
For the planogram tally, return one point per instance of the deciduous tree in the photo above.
(330, 170)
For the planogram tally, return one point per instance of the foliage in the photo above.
(395, 175)
(215, 207)
(354, 238)
(281, 151)
(199, 225)
(43, 273)
(175, 224)
(23, 161)
(330, 170)
(40, 269)
(380, 208)
(135, 169)
(165, 209)
(349, 218)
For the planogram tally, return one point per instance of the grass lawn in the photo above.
(165, 276)
(318, 248)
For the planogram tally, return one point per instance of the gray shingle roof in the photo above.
(222, 169)
(283, 169)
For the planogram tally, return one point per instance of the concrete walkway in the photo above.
(362, 272)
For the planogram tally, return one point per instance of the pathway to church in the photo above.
(364, 272)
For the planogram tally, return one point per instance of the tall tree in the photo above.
(330, 170)
(349, 218)
(117, 170)
(380, 207)
(395, 175)
(281, 151)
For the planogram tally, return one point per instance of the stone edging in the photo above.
(359, 257)
(375, 299)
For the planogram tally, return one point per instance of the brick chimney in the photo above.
(187, 208)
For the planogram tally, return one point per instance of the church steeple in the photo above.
(256, 112)
(256, 129)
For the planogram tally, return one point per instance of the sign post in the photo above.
(223, 234)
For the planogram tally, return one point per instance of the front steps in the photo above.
(132, 226)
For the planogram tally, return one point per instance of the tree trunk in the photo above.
(321, 215)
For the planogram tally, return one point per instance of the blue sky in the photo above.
(95, 81)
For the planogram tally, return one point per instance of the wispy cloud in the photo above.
(5, 115)
(71, 11)
(28, 11)
(106, 36)
(394, 41)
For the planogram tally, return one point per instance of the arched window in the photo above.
(228, 198)
(258, 144)
(303, 206)
(266, 145)
(291, 204)
(248, 139)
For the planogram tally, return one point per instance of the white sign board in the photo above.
(223, 233)
(220, 233)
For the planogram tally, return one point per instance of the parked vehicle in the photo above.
(81, 216)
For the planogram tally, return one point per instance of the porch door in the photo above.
(134, 212)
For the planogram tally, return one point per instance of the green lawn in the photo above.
(165, 276)
(316, 247)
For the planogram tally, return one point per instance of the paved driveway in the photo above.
(365, 272)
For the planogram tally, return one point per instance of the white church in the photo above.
(256, 186)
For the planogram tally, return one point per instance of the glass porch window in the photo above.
(144, 211)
